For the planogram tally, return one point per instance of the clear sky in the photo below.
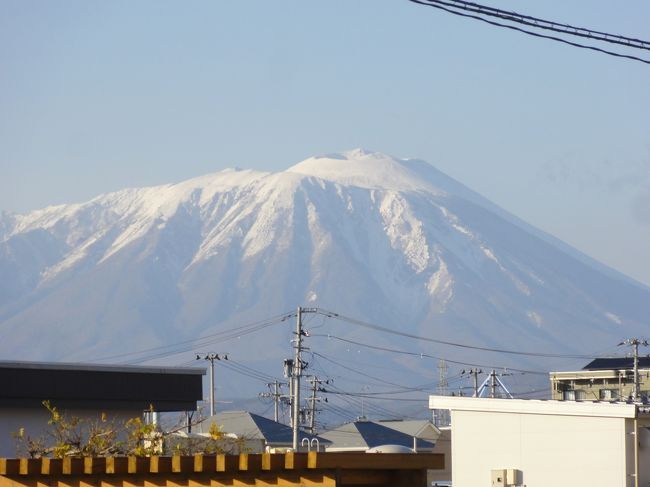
(96, 96)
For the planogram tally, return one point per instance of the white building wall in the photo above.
(549, 450)
(644, 454)
(34, 420)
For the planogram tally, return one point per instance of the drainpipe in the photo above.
(636, 451)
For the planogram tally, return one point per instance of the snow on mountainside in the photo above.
(390, 241)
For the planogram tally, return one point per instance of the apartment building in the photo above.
(603, 379)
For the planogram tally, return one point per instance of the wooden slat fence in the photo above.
(268, 469)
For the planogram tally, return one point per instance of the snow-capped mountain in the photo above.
(393, 242)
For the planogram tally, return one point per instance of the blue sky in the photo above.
(96, 96)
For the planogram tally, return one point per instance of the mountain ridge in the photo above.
(406, 246)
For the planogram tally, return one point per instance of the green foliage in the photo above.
(79, 437)
(143, 439)
(26, 445)
(216, 441)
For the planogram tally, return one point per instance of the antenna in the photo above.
(442, 377)
(441, 417)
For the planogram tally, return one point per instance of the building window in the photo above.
(574, 395)
(608, 394)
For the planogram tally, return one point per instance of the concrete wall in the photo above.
(549, 450)
(35, 423)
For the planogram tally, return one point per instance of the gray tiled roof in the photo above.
(253, 426)
(421, 428)
(369, 434)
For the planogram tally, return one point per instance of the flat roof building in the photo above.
(602, 379)
(515, 442)
(87, 390)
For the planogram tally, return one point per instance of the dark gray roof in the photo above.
(369, 434)
(616, 363)
(253, 426)
(102, 387)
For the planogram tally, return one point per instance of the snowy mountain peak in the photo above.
(365, 169)
(388, 240)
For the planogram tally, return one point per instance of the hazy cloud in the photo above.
(569, 173)
(641, 205)
(604, 175)
(631, 180)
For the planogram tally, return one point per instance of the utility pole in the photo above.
(363, 417)
(634, 343)
(277, 396)
(297, 373)
(315, 387)
(474, 373)
(288, 373)
(211, 357)
(495, 382)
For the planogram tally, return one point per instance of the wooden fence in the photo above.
(245, 470)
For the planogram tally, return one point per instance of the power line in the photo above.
(356, 403)
(544, 24)
(376, 408)
(186, 345)
(426, 355)
(356, 371)
(248, 371)
(452, 344)
(360, 394)
(457, 9)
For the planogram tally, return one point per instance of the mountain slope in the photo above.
(389, 241)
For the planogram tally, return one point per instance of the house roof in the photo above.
(253, 426)
(369, 434)
(617, 363)
(423, 428)
(94, 386)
